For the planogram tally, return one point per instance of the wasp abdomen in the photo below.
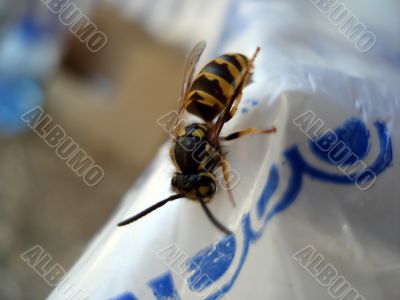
(215, 85)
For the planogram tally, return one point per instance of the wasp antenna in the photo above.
(150, 209)
(213, 219)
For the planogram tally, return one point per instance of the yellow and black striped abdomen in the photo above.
(215, 85)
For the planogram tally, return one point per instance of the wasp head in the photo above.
(194, 186)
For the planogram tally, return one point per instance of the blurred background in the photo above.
(107, 101)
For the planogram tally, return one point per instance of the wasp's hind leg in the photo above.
(239, 134)
(247, 79)
(235, 106)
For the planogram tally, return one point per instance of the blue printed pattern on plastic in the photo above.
(216, 260)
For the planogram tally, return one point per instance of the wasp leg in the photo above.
(225, 171)
(239, 134)
(212, 218)
(247, 79)
(235, 106)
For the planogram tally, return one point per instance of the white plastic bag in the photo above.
(305, 226)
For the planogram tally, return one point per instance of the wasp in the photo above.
(213, 95)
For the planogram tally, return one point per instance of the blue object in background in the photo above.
(17, 96)
(30, 49)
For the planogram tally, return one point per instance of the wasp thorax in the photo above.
(194, 186)
(192, 152)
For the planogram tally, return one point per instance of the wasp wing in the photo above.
(191, 63)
